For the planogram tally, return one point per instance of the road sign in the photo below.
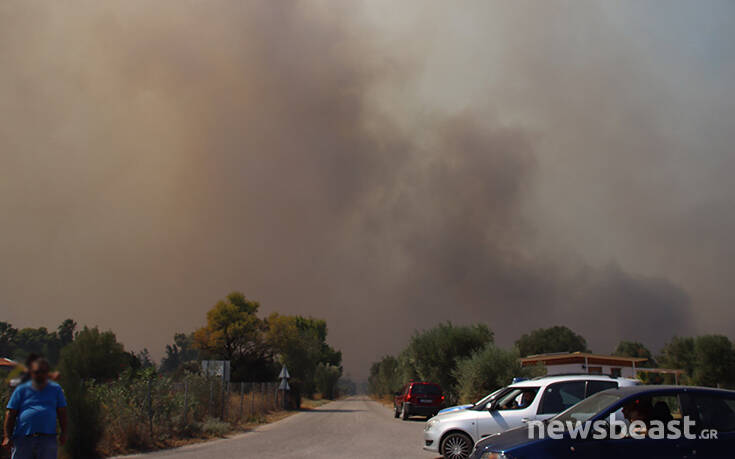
(284, 373)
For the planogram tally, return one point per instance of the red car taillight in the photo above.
(408, 397)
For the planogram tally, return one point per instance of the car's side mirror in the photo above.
(491, 406)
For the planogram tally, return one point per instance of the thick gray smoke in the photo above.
(156, 156)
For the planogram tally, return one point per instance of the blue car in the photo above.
(641, 411)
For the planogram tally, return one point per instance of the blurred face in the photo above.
(39, 373)
(630, 411)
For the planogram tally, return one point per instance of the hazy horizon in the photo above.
(383, 166)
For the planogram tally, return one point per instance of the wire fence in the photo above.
(152, 412)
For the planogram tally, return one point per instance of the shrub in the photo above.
(85, 418)
(487, 370)
(215, 427)
(326, 377)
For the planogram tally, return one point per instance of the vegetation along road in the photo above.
(356, 427)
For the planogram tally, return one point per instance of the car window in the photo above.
(560, 396)
(425, 389)
(715, 412)
(517, 399)
(588, 408)
(594, 387)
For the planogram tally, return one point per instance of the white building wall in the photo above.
(625, 372)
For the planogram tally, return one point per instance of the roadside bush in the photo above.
(487, 370)
(215, 427)
(386, 376)
(432, 355)
(138, 410)
(326, 377)
(85, 418)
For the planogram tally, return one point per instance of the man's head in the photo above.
(527, 398)
(637, 410)
(39, 370)
(32, 357)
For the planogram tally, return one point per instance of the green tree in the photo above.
(94, 355)
(432, 355)
(634, 349)
(386, 376)
(180, 353)
(326, 377)
(300, 344)
(715, 361)
(486, 371)
(548, 340)
(679, 354)
(8, 336)
(233, 328)
(65, 332)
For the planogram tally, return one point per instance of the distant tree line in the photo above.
(19, 343)
(465, 361)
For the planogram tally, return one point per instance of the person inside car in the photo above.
(639, 410)
(522, 401)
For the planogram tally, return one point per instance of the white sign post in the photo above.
(284, 386)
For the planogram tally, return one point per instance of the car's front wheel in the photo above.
(456, 445)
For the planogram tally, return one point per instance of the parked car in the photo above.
(418, 399)
(453, 434)
(483, 401)
(710, 409)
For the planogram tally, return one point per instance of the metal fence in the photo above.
(229, 402)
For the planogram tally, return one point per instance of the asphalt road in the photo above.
(356, 427)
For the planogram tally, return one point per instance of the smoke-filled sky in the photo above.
(383, 165)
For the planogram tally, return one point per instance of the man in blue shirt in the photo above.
(30, 422)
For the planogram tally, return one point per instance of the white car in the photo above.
(454, 434)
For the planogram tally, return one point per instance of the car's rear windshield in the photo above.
(426, 389)
(586, 409)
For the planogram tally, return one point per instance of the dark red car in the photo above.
(418, 399)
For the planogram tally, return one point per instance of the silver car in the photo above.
(454, 434)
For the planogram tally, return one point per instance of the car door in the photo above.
(559, 396)
(714, 415)
(667, 408)
(506, 412)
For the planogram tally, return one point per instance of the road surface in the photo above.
(356, 427)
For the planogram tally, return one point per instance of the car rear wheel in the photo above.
(456, 445)
(404, 412)
(396, 413)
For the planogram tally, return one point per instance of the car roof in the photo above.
(628, 391)
(544, 380)
(423, 383)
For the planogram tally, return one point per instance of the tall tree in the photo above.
(8, 335)
(65, 331)
(679, 354)
(487, 370)
(432, 355)
(634, 349)
(300, 344)
(181, 352)
(386, 376)
(715, 361)
(548, 340)
(233, 328)
(93, 355)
